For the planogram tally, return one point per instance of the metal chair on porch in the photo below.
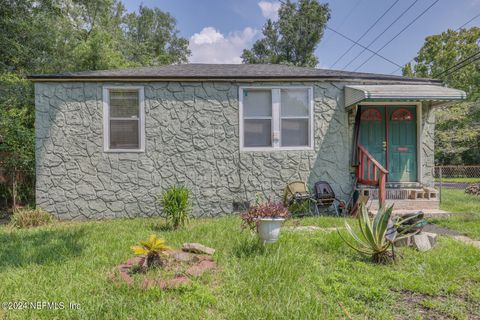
(296, 194)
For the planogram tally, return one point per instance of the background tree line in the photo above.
(50, 36)
(454, 57)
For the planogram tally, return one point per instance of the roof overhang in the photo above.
(418, 92)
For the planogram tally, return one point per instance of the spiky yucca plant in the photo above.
(377, 235)
(152, 248)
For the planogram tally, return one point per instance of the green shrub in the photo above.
(29, 217)
(176, 206)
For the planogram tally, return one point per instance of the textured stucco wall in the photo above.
(428, 142)
(192, 138)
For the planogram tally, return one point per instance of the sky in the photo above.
(218, 30)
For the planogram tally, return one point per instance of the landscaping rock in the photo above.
(197, 248)
(422, 242)
(432, 237)
(181, 256)
(126, 278)
(404, 242)
(178, 280)
(202, 257)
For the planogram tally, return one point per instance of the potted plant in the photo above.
(266, 219)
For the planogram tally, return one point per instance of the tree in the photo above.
(457, 134)
(73, 35)
(152, 38)
(293, 38)
(17, 137)
(50, 36)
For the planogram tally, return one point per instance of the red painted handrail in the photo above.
(371, 172)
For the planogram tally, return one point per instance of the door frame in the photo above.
(418, 107)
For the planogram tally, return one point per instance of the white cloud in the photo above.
(211, 46)
(269, 9)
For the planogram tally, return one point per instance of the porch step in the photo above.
(413, 199)
(400, 193)
(407, 205)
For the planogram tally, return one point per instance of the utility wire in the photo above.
(459, 64)
(365, 48)
(463, 25)
(327, 37)
(361, 37)
(376, 38)
(401, 31)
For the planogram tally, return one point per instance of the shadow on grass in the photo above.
(161, 226)
(248, 248)
(39, 247)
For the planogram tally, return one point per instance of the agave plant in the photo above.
(377, 235)
(152, 249)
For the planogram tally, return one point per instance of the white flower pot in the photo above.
(269, 229)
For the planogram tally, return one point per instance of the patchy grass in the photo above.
(466, 212)
(304, 276)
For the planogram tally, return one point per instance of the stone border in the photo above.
(197, 264)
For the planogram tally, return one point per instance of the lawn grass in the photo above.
(465, 211)
(303, 276)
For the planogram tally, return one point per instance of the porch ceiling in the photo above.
(420, 92)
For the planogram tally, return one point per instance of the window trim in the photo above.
(276, 118)
(106, 118)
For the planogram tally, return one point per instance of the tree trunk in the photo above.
(14, 189)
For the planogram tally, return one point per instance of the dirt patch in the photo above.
(435, 307)
(176, 270)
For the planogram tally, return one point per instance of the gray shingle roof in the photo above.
(223, 71)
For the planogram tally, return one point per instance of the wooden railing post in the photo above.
(372, 165)
(382, 190)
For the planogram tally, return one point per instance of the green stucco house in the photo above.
(107, 142)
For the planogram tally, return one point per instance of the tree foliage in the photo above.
(45, 36)
(457, 135)
(73, 35)
(293, 38)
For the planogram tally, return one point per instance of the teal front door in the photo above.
(390, 136)
(402, 144)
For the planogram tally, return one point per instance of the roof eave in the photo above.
(55, 78)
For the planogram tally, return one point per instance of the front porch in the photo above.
(392, 143)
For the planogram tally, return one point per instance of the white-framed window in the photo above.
(276, 118)
(123, 119)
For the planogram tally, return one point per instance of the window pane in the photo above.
(124, 134)
(257, 103)
(257, 133)
(294, 132)
(124, 104)
(294, 103)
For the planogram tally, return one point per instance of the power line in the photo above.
(361, 37)
(463, 25)
(401, 31)
(355, 42)
(457, 64)
(344, 19)
(477, 58)
(385, 30)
